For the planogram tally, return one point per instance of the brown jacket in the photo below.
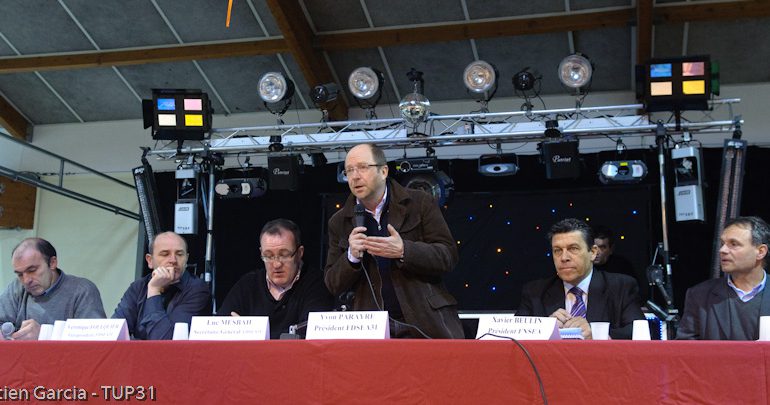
(429, 251)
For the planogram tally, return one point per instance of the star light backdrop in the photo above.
(523, 207)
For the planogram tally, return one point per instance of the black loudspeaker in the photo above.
(561, 158)
(284, 172)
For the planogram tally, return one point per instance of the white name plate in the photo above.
(95, 329)
(348, 325)
(517, 327)
(230, 328)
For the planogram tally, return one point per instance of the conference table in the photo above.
(387, 371)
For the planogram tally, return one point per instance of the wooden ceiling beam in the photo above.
(643, 31)
(576, 21)
(299, 38)
(475, 30)
(174, 53)
(729, 10)
(13, 121)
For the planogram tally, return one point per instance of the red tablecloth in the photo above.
(395, 371)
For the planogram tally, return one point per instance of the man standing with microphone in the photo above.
(394, 256)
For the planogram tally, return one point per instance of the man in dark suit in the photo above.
(729, 308)
(578, 295)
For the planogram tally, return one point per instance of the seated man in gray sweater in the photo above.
(42, 293)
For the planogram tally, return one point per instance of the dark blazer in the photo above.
(612, 298)
(429, 252)
(706, 315)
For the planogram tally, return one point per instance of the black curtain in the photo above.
(490, 213)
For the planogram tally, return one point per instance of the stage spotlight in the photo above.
(365, 84)
(276, 91)
(415, 107)
(241, 188)
(561, 158)
(318, 159)
(480, 77)
(324, 93)
(677, 84)
(622, 171)
(147, 193)
(575, 72)
(499, 164)
(438, 185)
(525, 80)
(275, 144)
(178, 114)
(552, 129)
(341, 177)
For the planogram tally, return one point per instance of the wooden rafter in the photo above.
(643, 31)
(13, 121)
(124, 57)
(299, 39)
(661, 13)
(306, 47)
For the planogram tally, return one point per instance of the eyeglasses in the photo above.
(360, 168)
(279, 258)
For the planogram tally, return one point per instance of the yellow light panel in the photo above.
(193, 120)
(694, 87)
(660, 89)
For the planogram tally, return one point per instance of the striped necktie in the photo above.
(579, 307)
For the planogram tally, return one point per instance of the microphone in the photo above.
(655, 276)
(358, 215)
(358, 219)
(346, 300)
(8, 330)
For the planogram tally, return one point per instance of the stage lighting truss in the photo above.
(513, 127)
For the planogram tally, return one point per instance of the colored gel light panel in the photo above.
(193, 120)
(167, 120)
(694, 87)
(693, 68)
(166, 104)
(193, 104)
(660, 89)
(660, 70)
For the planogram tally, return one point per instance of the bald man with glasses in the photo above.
(283, 290)
(395, 261)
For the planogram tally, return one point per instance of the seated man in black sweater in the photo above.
(283, 290)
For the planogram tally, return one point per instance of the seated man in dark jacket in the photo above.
(154, 303)
(283, 290)
(577, 295)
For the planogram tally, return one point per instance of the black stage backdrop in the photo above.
(499, 222)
